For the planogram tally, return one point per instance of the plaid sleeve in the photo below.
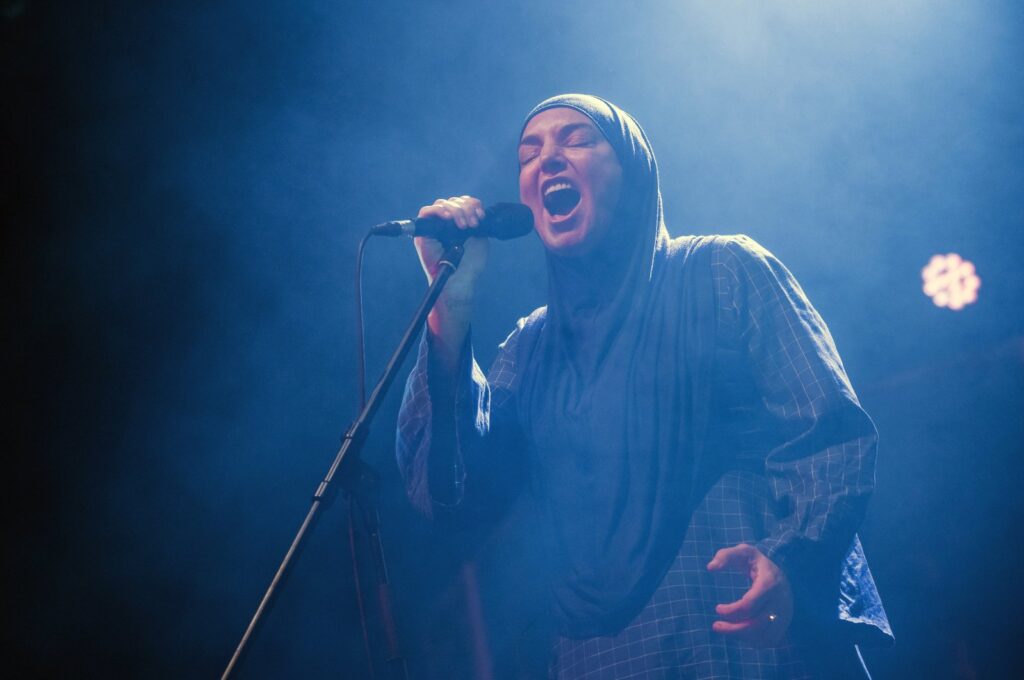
(444, 420)
(821, 459)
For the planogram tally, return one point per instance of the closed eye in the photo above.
(580, 140)
(527, 153)
(579, 134)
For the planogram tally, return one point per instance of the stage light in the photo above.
(950, 281)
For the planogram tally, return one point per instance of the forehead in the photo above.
(554, 119)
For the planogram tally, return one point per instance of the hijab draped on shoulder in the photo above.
(613, 394)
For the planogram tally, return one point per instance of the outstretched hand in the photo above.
(765, 611)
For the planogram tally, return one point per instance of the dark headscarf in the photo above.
(594, 293)
(613, 395)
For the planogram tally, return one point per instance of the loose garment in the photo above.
(787, 466)
(674, 397)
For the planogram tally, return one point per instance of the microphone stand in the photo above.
(357, 477)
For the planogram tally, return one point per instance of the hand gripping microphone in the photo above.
(501, 221)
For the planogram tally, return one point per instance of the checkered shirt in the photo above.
(806, 470)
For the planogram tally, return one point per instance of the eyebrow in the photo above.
(531, 140)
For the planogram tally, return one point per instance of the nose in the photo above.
(551, 159)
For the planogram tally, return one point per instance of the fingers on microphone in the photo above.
(465, 211)
(438, 208)
(474, 210)
(462, 213)
(449, 211)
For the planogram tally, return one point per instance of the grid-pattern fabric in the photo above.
(806, 469)
(672, 636)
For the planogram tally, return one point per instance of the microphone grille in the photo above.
(509, 220)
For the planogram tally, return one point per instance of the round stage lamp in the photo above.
(950, 281)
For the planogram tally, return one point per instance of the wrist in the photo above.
(459, 293)
(447, 333)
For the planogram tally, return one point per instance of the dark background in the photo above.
(184, 185)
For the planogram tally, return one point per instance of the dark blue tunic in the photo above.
(788, 466)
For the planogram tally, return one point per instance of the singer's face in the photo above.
(571, 179)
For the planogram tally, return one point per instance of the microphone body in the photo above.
(502, 221)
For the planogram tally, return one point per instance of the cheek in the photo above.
(609, 186)
(527, 192)
(528, 197)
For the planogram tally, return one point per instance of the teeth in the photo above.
(557, 187)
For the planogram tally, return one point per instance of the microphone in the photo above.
(501, 221)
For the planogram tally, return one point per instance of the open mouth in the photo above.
(560, 198)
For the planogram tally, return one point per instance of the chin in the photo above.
(573, 243)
